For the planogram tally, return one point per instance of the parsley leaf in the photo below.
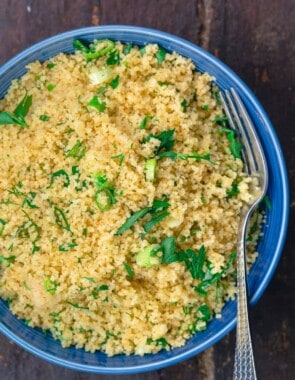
(235, 146)
(144, 121)
(97, 103)
(114, 58)
(168, 248)
(194, 261)
(19, 114)
(129, 270)
(115, 82)
(160, 55)
(166, 138)
(233, 191)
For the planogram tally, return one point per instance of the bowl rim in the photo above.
(251, 98)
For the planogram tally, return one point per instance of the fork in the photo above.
(256, 168)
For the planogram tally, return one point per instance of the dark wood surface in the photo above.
(256, 39)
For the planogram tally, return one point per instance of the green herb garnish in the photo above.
(233, 191)
(127, 49)
(144, 121)
(97, 103)
(2, 225)
(114, 58)
(29, 199)
(61, 219)
(51, 86)
(115, 82)
(129, 270)
(235, 146)
(75, 305)
(60, 173)
(194, 261)
(67, 247)
(120, 157)
(166, 138)
(50, 65)
(44, 118)
(184, 105)
(7, 260)
(50, 285)
(78, 151)
(160, 55)
(105, 195)
(19, 114)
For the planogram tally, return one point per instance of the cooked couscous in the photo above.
(120, 192)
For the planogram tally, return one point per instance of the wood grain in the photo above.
(256, 39)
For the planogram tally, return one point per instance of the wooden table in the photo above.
(256, 39)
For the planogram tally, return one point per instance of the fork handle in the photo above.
(244, 367)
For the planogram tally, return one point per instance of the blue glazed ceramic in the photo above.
(270, 247)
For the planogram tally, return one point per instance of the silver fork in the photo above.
(256, 167)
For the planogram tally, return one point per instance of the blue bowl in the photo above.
(270, 247)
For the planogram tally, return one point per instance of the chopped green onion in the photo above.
(29, 198)
(150, 169)
(103, 199)
(99, 49)
(98, 76)
(97, 103)
(79, 45)
(90, 279)
(132, 219)
(60, 173)
(75, 305)
(146, 257)
(142, 51)
(61, 219)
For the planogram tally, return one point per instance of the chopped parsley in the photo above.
(166, 138)
(97, 49)
(50, 65)
(129, 270)
(144, 121)
(76, 306)
(114, 58)
(7, 260)
(50, 86)
(160, 55)
(29, 199)
(115, 82)
(78, 151)
(50, 286)
(233, 191)
(44, 118)
(97, 103)
(127, 49)
(67, 247)
(120, 157)
(2, 225)
(235, 146)
(184, 105)
(61, 219)
(18, 115)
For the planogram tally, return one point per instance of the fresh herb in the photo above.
(235, 146)
(24, 231)
(19, 114)
(44, 118)
(144, 121)
(194, 261)
(2, 225)
(50, 65)
(98, 289)
(221, 120)
(7, 260)
(129, 270)
(158, 342)
(216, 95)
(77, 151)
(166, 138)
(50, 286)
(184, 105)
(169, 250)
(85, 230)
(29, 199)
(183, 156)
(51, 86)
(115, 82)
(233, 191)
(60, 173)
(127, 49)
(61, 219)
(97, 103)
(160, 55)
(163, 83)
(158, 206)
(205, 107)
(203, 313)
(142, 51)
(67, 247)
(150, 224)
(97, 49)
(121, 158)
(77, 306)
(16, 190)
(114, 58)
(90, 279)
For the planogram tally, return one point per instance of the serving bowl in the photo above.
(270, 246)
